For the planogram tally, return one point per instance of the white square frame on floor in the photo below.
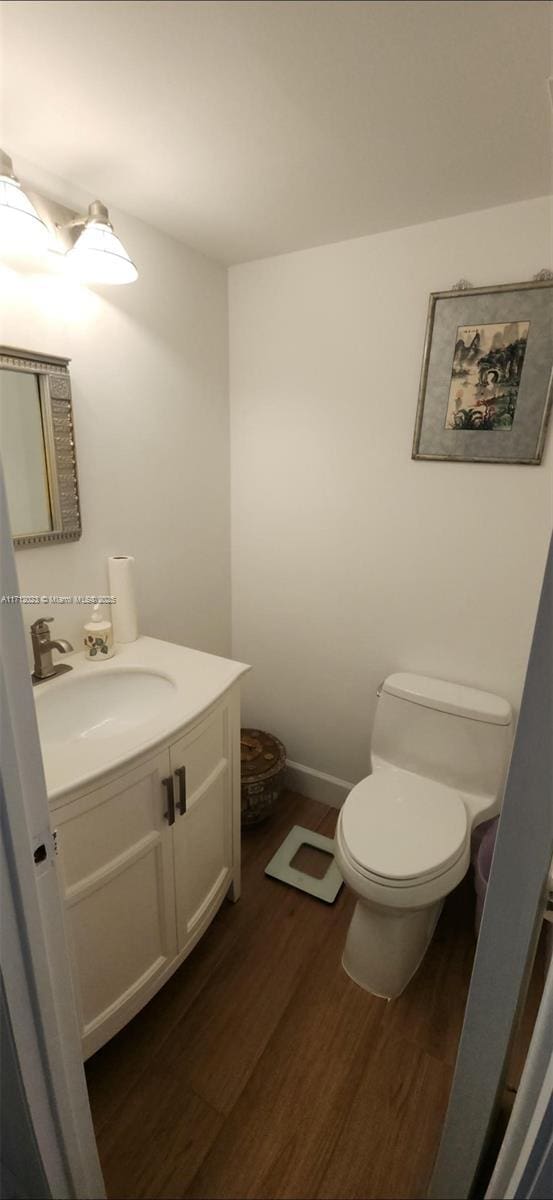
(279, 867)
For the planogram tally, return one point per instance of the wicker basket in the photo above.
(263, 760)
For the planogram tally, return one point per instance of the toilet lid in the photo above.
(402, 826)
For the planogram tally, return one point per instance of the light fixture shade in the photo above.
(21, 229)
(99, 257)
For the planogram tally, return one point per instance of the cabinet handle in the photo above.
(168, 785)
(180, 772)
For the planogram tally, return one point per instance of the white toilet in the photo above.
(439, 757)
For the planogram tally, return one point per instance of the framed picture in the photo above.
(485, 390)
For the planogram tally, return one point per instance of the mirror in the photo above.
(37, 447)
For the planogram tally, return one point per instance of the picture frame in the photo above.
(486, 381)
(58, 455)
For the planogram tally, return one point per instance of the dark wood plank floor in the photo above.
(261, 1070)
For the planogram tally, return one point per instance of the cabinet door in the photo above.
(116, 864)
(203, 832)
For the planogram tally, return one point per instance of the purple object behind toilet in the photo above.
(483, 842)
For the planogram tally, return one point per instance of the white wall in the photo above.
(149, 378)
(349, 559)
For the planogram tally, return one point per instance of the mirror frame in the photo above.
(54, 385)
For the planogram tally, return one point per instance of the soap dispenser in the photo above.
(98, 637)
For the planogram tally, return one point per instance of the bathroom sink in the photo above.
(85, 707)
(100, 716)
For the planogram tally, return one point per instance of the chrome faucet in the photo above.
(42, 644)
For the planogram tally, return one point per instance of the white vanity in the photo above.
(142, 762)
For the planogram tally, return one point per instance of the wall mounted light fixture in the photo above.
(97, 255)
(88, 243)
(20, 225)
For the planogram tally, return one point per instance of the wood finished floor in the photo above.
(260, 1070)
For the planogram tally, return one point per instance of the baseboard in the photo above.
(316, 784)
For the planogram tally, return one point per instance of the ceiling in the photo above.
(251, 128)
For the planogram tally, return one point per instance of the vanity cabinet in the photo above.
(202, 836)
(145, 860)
(116, 864)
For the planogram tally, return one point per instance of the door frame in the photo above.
(515, 903)
(35, 964)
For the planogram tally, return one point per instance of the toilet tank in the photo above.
(455, 734)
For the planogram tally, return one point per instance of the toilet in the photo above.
(439, 756)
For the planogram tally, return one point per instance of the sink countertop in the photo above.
(198, 680)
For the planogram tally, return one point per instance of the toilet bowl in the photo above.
(439, 757)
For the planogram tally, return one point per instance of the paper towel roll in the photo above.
(121, 585)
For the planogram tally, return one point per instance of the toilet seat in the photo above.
(401, 829)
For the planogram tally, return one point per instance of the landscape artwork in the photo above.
(486, 387)
(485, 377)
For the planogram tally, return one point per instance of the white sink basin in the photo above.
(85, 707)
(103, 715)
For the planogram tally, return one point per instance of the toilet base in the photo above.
(384, 947)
